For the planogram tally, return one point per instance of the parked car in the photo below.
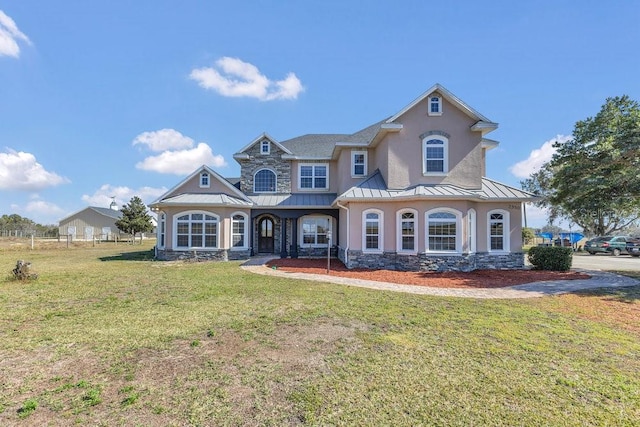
(607, 244)
(633, 246)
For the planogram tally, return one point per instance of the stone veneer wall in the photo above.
(316, 252)
(200, 255)
(425, 262)
(273, 161)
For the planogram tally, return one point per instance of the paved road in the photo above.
(605, 262)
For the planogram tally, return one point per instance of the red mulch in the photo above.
(474, 279)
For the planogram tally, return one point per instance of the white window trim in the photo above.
(505, 229)
(472, 234)
(301, 231)
(445, 168)
(380, 248)
(275, 186)
(265, 143)
(313, 177)
(174, 233)
(162, 229)
(458, 215)
(353, 163)
(431, 113)
(208, 175)
(245, 235)
(399, 249)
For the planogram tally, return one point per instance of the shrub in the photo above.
(554, 258)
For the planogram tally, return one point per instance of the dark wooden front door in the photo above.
(265, 236)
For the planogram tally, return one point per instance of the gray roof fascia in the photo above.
(489, 144)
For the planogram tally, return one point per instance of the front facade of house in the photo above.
(406, 193)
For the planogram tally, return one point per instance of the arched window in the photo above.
(443, 230)
(239, 230)
(406, 221)
(264, 181)
(196, 230)
(372, 230)
(435, 153)
(498, 228)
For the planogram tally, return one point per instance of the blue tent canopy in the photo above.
(572, 237)
(546, 235)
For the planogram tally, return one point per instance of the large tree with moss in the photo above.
(593, 180)
(135, 218)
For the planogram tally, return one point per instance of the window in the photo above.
(162, 230)
(498, 226)
(443, 231)
(314, 177)
(435, 106)
(315, 231)
(435, 152)
(358, 163)
(372, 231)
(265, 147)
(196, 230)
(204, 180)
(406, 221)
(239, 231)
(264, 181)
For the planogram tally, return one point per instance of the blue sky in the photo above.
(121, 98)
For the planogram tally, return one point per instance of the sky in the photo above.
(102, 99)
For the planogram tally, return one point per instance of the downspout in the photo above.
(346, 249)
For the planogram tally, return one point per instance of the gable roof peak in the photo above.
(449, 96)
(261, 137)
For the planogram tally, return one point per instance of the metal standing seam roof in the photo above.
(205, 199)
(111, 213)
(292, 201)
(374, 188)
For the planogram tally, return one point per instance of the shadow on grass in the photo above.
(628, 294)
(130, 256)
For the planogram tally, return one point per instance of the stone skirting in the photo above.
(202, 255)
(431, 262)
(316, 252)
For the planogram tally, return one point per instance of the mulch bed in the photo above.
(475, 279)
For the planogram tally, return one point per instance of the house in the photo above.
(406, 193)
(91, 222)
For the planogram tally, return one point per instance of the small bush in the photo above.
(553, 258)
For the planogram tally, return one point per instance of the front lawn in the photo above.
(107, 336)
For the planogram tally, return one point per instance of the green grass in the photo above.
(107, 336)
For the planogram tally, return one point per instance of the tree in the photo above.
(135, 218)
(528, 235)
(593, 180)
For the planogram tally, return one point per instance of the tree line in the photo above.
(593, 180)
(16, 225)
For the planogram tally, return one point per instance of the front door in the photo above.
(265, 236)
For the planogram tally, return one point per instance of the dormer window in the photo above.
(435, 106)
(204, 180)
(265, 147)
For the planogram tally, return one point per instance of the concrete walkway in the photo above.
(599, 279)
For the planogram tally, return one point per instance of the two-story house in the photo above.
(406, 193)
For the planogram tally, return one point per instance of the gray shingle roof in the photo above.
(374, 188)
(292, 201)
(313, 145)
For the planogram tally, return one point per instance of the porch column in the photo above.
(294, 238)
(283, 238)
(251, 226)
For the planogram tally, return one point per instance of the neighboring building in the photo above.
(406, 193)
(91, 222)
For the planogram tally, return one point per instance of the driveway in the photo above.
(605, 262)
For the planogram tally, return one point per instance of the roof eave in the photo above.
(484, 127)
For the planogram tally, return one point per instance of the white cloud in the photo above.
(163, 139)
(9, 36)
(178, 155)
(103, 196)
(537, 158)
(21, 171)
(239, 78)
